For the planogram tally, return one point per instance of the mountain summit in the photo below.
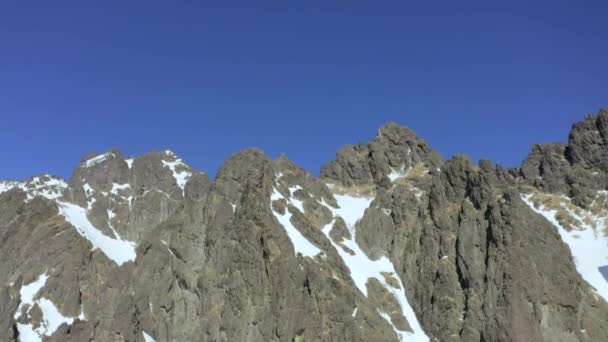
(390, 243)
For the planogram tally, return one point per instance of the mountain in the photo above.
(390, 243)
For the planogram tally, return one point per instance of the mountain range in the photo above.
(390, 243)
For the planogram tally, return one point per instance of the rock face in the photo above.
(394, 148)
(577, 169)
(390, 243)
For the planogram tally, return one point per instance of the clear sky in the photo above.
(208, 78)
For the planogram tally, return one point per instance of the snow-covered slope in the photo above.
(300, 243)
(583, 231)
(120, 251)
(45, 186)
(389, 243)
(50, 318)
(351, 209)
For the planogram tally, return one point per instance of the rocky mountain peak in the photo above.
(391, 243)
(394, 149)
(249, 168)
(578, 168)
(588, 141)
(45, 185)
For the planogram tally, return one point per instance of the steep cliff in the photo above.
(390, 243)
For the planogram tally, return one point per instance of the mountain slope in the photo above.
(390, 243)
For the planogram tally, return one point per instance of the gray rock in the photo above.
(213, 263)
(394, 147)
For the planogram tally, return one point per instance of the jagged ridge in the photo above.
(267, 252)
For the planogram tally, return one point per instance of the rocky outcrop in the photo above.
(390, 243)
(577, 169)
(394, 148)
(588, 142)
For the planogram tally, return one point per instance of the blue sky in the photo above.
(208, 78)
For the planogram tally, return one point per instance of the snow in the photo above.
(111, 216)
(589, 248)
(362, 268)
(300, 243)
(148, 338)
(120, 251)
(27, 333)
(294, 189)
(96, 160)
(296, 202)
(49, 187)
(351, 208)
(394, 175)
(168, 248)
(129, 162)
(89, 192)
(181, 177)
(6, 186)
(355, 311)
(119, 187)
(51, 317)
(402, 336)
(29, 291)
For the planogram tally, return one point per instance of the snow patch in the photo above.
(181, 177)
(362, 268)
(296, 202)
(129, 163)
(119, 187)
(395, 174)
(96, 160)
(300, 243)
(589, 248)
(7, 185)
(147, 338)
(118, 250)
(168, 248)
(29, 291)
(111, 216)
(51, 317)
(89, 192)
(45, 186)
(350, 209)
(400, 334)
